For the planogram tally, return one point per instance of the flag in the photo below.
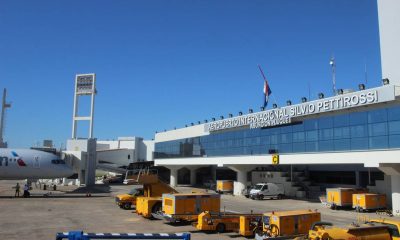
(267, 92)
(267, 89)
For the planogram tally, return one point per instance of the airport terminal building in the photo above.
(349, 139)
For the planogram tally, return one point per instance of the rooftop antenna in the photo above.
(4, 106)
(332, 62)
(365, 72)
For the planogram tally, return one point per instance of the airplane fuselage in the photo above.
(31, 164)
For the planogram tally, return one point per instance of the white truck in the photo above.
(267, 190)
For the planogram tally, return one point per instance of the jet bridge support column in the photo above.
(84, 152)
(241, 182)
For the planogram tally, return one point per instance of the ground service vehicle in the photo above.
(180, 207)
(127, 200)
(153, 188)
(287, 224)
(224, 186)
(392, 225)
(224, 222)
(325, 231)
(270, 190)
(369, 201)
(341, 197)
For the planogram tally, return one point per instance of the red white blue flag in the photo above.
(267, 92)
(267, 89)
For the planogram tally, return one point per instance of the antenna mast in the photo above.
(332, 62)
(4, 106)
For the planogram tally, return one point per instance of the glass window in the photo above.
(394, 141)
(299, 147)
(394, 127)
(311, 146)
(341, 132)
(378, 142)
(326, 134)
(379, 115)
(359, 131)
(298, 127)
(326, 122)
(311, 124)
(274, 139)
(285, 148)
(298, 137)
(359, 143)
(341, 120)
(286, 138)
(394, 113)
(358, 118)
(342, 144)
(377, 129)
(286, 129)
(312, 135)
(325, 145)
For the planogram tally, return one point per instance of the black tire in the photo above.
(252, 197)
(127, 206)
(261, 197)
(279, 196)
(220, 228)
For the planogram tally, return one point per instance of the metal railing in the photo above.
(79, 235)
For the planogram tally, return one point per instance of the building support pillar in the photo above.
(393, 170)
(193, 177)
(173, 178)
(241, 180)
(395, 182)
(357, 178)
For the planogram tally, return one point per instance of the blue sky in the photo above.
(163, 64)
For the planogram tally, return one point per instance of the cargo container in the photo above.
(186, 207)
(287, 224)
(341, 197)
(225, 222)
(369, 201)
(224, 186)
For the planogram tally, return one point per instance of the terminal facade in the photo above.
(350, 139)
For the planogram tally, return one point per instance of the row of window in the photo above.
(375, 129)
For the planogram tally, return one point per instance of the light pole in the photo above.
(333, 65)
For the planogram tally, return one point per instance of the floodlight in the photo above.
(385, 81)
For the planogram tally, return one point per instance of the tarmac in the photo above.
(68, 209)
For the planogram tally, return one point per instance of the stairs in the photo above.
(301, 186)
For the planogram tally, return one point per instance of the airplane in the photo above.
(19, 164)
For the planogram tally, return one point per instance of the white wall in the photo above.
(368, 158)
(148, 150)
(188, 132)
(389, 32)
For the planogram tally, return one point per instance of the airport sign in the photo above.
(284, 115)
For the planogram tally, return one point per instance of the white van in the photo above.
(269, 190)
